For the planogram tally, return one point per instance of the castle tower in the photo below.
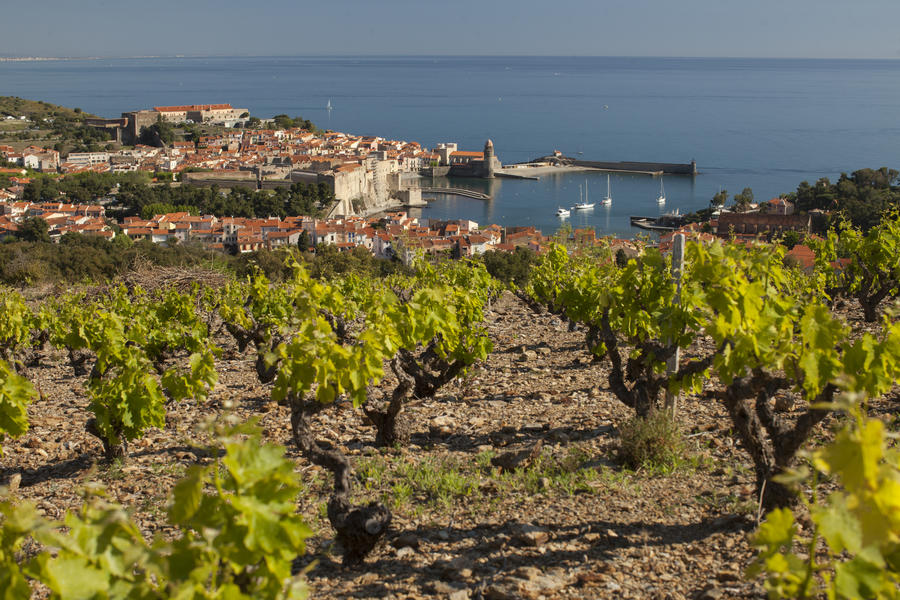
(489, 159)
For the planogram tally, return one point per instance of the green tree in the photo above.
(791, 238)
(160, 133)
(743, 200)
(34, 229)
(510, 267)
(719, 199)
(304, 241)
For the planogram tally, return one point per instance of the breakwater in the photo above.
(640, 167)
(649, 168)
(456, 191)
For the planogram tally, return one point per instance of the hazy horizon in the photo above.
(444, 55)
(814, 29)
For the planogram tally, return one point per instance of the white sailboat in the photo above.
(608, 199)
(661, 199)
(584, 204)
(328, 106)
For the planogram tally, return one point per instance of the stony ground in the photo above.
(573, 524)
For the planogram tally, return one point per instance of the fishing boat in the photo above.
(562, 212)
(608, 199)
(661, 199)
(584, 204)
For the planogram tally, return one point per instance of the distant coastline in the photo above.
(44, 58)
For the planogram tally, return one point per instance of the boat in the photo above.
(328, 106)
(562, 212)
(661, 199)
(584, 204)
(608, 199)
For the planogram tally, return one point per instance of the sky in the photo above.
(707, 28)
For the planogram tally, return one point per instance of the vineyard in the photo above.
(613, 428)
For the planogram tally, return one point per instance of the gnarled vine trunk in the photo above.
(111, 451)
(771, 441)
(359, 528)
(419, 376)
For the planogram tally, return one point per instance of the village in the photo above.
(371, 178)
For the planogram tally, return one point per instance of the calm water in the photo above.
(764, 124)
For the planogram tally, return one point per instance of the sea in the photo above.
(766, 124)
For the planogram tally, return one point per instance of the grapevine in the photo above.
(238, 533)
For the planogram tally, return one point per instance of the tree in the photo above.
(159, 134)
(719, 199)
(304, 241)
(743, 200)
(791, 238)
(34, 229)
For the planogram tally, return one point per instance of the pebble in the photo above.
(531, 535)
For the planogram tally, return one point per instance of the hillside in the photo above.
(39, 110)
(575, 524)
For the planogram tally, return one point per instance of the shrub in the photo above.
(653, 442)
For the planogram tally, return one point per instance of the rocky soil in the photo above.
(568, 522)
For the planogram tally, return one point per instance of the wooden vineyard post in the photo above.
(677, 271)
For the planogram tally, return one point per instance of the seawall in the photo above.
(650, 168)
(645, 167)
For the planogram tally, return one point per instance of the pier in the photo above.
(456, 191)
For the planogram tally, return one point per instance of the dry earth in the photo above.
(574, 524)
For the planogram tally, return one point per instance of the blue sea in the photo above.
(767, 124)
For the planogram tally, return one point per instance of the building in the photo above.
(473, 164)
(216, 114)
(760, 223)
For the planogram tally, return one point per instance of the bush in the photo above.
(510, 267)
(653, 442)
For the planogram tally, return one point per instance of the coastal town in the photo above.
(373, 181)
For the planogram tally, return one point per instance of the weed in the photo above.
(653, 443)
(115, 470)
(483, 460)
(442, 480)
(371, 472)
(402, 493)
(567, 474)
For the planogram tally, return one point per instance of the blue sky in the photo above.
(744, 28)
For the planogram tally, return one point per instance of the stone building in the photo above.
(217, 114)
(474, 164)
(761, 223)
